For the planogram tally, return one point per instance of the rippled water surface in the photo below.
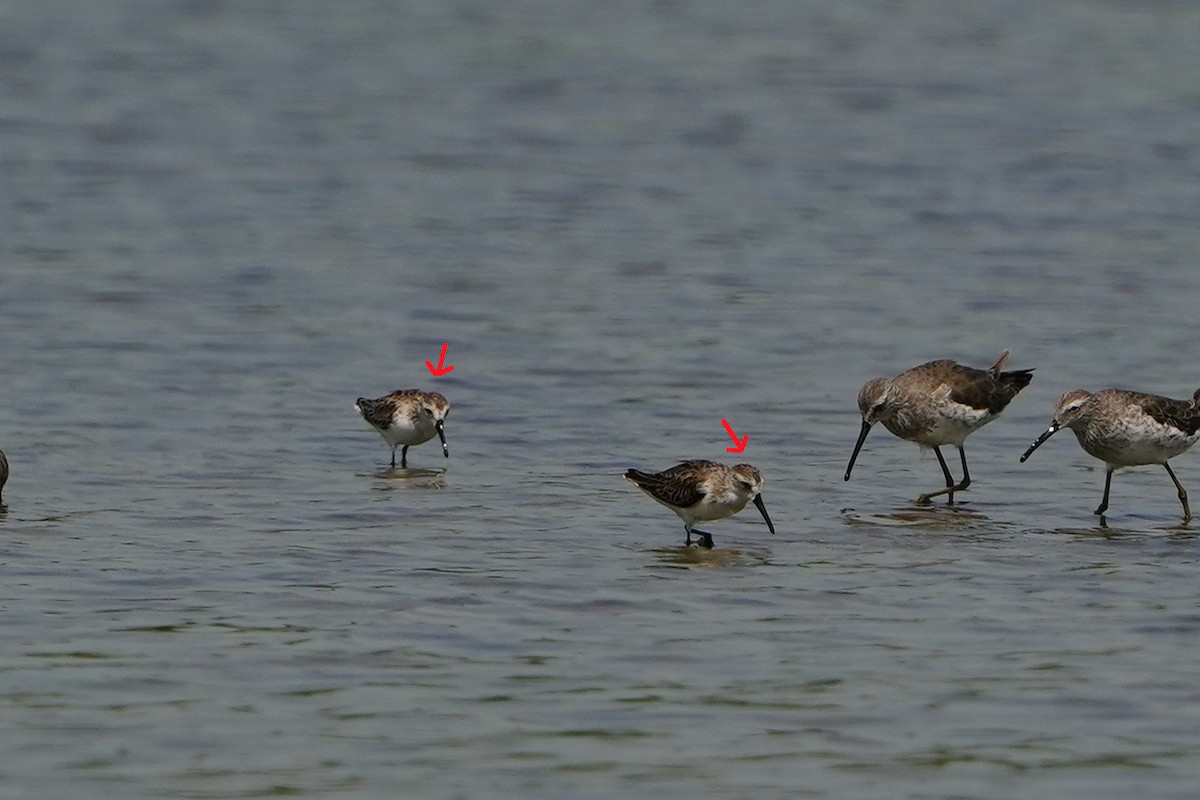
(223, 222)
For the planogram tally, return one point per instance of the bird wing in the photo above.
(1180, 414)
(667, 487)
(986, 389)
(377, 412)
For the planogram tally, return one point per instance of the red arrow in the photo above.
(439, 370)
(739, 444)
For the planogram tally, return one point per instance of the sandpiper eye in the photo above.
(746, 486)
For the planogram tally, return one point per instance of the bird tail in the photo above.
(1017, 379)
(1014, 379)
(635, 476)
(995, 370)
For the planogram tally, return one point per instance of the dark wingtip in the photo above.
(1020, 378)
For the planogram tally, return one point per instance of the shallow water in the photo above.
(222, 224)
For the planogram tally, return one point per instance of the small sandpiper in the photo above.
(937, 403)
(702, 491)
(1127, 429)
(407, 417)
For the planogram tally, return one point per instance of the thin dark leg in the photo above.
(1100, 509)
(393, 456)
(966, 481)
(950, 487)
(403, 458)
(1187, 512)
(706, 539)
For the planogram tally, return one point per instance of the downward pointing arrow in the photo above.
(439, 370)
(738, 444)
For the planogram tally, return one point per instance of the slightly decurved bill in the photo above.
(862, 437)
(758, 501)
(442, 435)
(1053, 429)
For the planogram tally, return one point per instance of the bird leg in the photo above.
(1100, 509)
(1187, 512)
(706, 540)
(951, 487)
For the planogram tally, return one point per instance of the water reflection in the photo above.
(949, 517)
(413, 478)
(686, 557)
(1102, 529)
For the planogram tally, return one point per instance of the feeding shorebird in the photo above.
(701, 491)
(1127, 429)
(937, 403)
(407, 417)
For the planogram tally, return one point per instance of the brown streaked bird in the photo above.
(937, 403)
(702, 491)
(407, 417)
(1127, 429)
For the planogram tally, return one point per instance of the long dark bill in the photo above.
(758, 501)
(1053, 429)
(862, 437)
(442, 435)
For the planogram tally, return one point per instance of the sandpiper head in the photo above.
(872, 402)
(748, 480)
(1071, 408)
(872, 399)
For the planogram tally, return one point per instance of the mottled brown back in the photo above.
(667, 485)
(1180, 414)
(986, 388)
(378, 412)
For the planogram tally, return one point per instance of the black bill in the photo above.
(442, 435)
(1053, 429)
(862, 437)
(758, 501)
